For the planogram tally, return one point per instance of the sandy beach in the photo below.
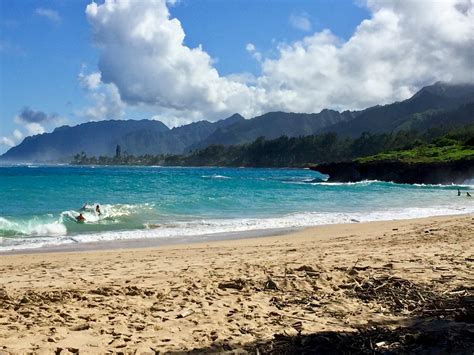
(380, 286)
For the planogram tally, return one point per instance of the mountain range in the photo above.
(437, 104)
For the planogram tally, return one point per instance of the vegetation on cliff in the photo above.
(435, 145)
(457, 145)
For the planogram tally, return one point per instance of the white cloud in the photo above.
(17, 135)
(401, 47)
(107, 103)
(91, 81)
(31, 122)
(301, 21)
(250, 47)
(13, 140)
(9, 142)
(143, 54)
(51, 15)
(33, 128)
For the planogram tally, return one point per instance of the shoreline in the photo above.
(251, 295)
(160, 242)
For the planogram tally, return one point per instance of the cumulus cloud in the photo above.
(7, 141)
(17, 135)
(90, 81)
(34, 128)
(143, 55)
(401, 47)
(301, 21)
(51, 15)
(107, 103)
(13, 140)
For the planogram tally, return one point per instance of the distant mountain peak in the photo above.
(139, 137)
(447, 90)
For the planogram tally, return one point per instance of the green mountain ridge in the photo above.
(435, 106)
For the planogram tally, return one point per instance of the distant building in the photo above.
(118, 152)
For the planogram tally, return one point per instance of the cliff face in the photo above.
(455, 172)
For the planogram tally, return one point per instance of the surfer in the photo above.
(80, 218)
(97, 209)
(459, 192)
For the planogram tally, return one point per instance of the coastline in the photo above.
(144, 243)
(159, 242)
(239, 294)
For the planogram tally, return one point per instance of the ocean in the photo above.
(39, 204)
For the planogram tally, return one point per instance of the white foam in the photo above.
(215, 176)
(202, 227)
(34, 227)
(108, 212)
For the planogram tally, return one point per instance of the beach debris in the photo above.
(309, 270)
(373, 340)
(270, 284)
(104, 291)
(290, 331)
(353, 270)
(237, 284)
(127, 291)
(400, 295)
(298, 326)
(245, 330)
(185, 313)
(306, 268)
(80, 327)
(133, 291)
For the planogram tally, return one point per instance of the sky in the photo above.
(69, 62)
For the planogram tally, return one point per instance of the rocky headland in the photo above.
(451, 172)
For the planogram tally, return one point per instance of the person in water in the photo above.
(80, 218)
(97, 209)
(468, 194)
(459, 192)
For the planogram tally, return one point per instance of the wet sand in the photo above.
(277, 293)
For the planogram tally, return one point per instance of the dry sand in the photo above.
(312, 289)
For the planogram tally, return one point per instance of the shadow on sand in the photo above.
(437, 324)
(421, 336)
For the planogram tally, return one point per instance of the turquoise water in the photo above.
(39, 204)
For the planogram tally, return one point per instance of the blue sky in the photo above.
(63, 65)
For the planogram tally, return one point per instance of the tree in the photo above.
(118, 152)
